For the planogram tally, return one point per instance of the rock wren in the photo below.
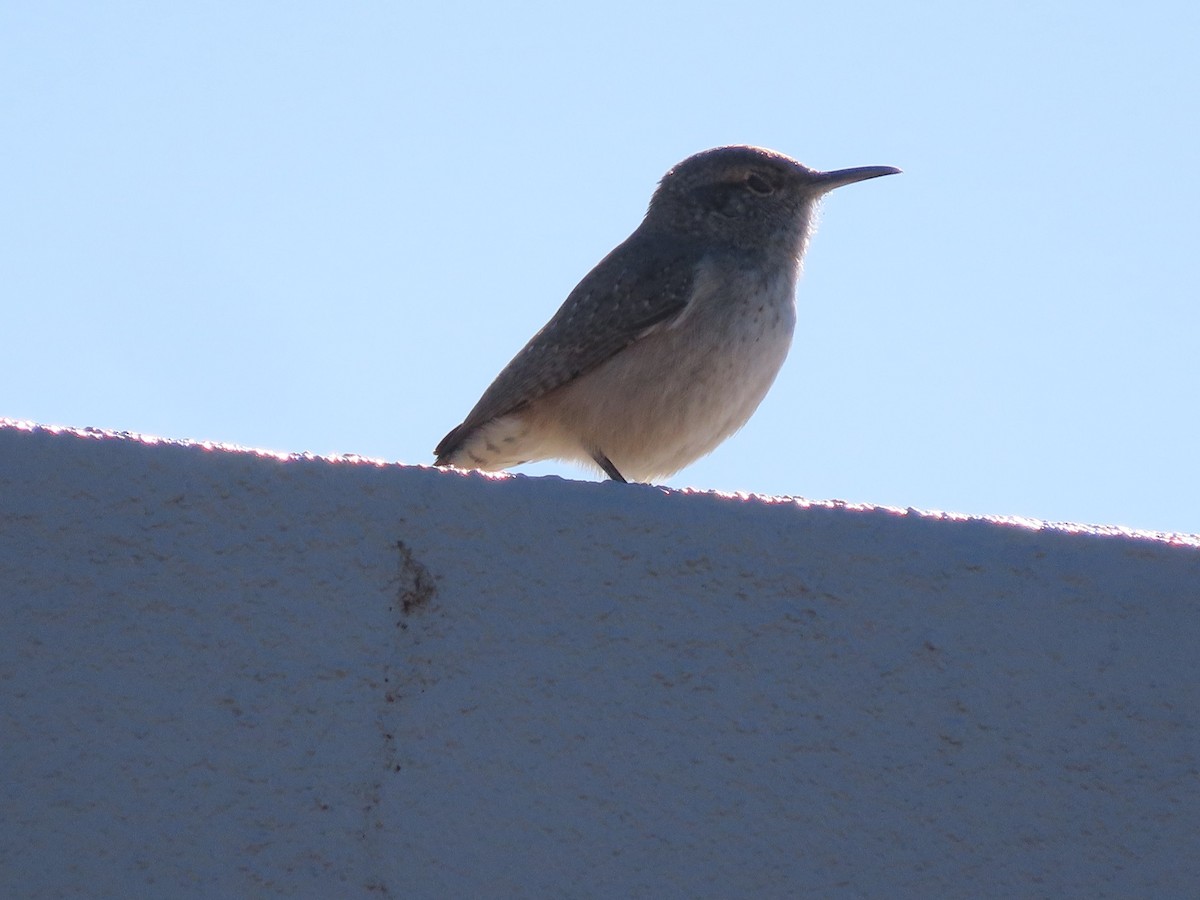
(670, 343)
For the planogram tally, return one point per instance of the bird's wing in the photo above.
(616, 303)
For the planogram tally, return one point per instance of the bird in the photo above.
(671, 342)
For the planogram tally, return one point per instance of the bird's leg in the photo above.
(606, 464)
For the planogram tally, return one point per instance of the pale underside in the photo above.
(666, 399)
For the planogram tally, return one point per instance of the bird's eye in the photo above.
(758, 184)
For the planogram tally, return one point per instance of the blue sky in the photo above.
(327, 227)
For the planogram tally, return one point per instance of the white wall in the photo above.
(211, 687)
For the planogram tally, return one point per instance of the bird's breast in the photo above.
(732, 338)
(687, 383)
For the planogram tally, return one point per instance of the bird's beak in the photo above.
(827, 181)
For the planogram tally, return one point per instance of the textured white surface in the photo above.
(210, 687)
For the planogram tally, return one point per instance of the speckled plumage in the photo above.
(669, 344)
